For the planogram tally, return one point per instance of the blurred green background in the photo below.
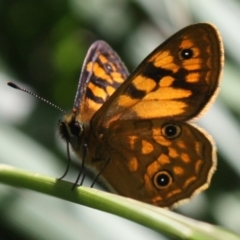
(42, 47)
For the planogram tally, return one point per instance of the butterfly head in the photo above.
(70, 128)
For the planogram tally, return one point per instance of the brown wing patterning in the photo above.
(102, 73)
(177, 80)
(140, 122)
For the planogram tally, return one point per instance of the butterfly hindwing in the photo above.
(143, 157)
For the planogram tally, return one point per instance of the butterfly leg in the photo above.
(101, 171)
(82, 168)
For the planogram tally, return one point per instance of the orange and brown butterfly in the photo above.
(139, 123)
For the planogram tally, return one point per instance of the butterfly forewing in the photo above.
(175, 81)
(102, 73)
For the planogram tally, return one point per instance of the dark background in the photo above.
(42, 47)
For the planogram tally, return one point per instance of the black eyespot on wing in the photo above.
(171, 131)
(185, 54)
(108, 67)
(162, 180)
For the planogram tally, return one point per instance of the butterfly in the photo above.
(137, 126)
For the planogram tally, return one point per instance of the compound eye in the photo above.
(75, 128)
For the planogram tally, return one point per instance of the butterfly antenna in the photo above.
(13, 85)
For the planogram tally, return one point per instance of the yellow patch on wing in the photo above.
(146, 110)
(174, 192)
(110, 90)
(163, 159)
(99, 72)
(133, 164)
(143, 83)
(103, 59)
(198, 147)
(181, 144)
(132, 141)
(117, 77)
(164, 59)
(178, 170)
(148, 182)
(98, 92)
(166, 81)
(193, 64)
(172, 152)
(189, 181)
(156, 200)
(187, 43)
(193, 77)
(185, 158)
(162, 141)
(168, 94)
(147, 147)
(198, 165)
(125, 100)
